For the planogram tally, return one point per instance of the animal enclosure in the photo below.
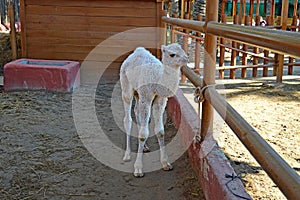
(70, 30)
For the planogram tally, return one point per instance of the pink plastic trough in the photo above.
(32, 74)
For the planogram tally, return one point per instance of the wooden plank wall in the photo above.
(71, 29)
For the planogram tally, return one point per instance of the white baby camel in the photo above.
(151, 82)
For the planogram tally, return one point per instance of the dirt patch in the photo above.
(273, 110)
(42, 156)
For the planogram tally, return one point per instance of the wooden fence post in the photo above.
(197, 48)
(251, 11)
(233, 52)
(255, 49)
(266, 52)
(185, 44)
(245, 48)
(234, 3)
(222, 51)
(284, 17)
(294, 24)
(173, 36)
(272, 11)
(276, 57)
(13, 40)
(210, 44)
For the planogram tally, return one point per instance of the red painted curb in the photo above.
(32, 74)
(207, 159)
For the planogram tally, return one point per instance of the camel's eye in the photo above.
(172, 55)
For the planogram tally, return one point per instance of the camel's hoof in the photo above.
(146, 149)
(138, 173)
(126, 157)
(167, 167)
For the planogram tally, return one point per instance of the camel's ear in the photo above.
(163, 48)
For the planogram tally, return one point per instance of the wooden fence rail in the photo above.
(245, 13)
(285, 42)
(255, 36)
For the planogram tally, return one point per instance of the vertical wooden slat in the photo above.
(190, 10)
(295, 7)
(185, 44)
(182, 8)
(161, 34)
(271, 23)
(234, 4)
(266, 52)
(245, 48)
(266, 61)
(279, 73)
(240, 19)
(276, 57)
(251, 10)
(290, 67)
(233, 52)
(173, 36)
(284, 18)
(256, 49)
(222, 48)
(245, 8)
(265, 7)
(257, 7)
(294, 23)
(197, 46)
(13, 40)
(284, 14)
(272, 10)
(23, 28)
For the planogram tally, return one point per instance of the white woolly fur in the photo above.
(151, 82)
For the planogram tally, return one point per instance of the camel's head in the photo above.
(173, 55)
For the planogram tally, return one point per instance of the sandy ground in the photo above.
(42, 157)
(273, 110)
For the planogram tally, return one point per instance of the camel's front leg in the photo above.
(136, 112)
(127, 100)
(144, 107)
(159, 106)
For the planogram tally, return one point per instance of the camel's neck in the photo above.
(171, 71)
(170, 79)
